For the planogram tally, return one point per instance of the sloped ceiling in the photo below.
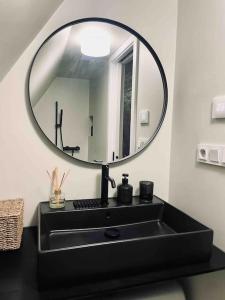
(46, 64)
(20, 21)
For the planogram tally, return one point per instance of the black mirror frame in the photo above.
(151, 50)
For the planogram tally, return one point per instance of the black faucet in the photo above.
(104, 184)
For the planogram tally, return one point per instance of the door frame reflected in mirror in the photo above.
(115, 98)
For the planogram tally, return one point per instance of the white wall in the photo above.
(25, 157)
(72, 95)
(197, 188)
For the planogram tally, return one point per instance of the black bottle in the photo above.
(124, 191)
(146, 190)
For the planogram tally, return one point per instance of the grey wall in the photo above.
(196, 188)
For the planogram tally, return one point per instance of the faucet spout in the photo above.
(104, 184)
(112, 181)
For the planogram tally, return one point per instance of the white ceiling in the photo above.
(20, 21)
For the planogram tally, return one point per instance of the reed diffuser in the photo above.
(57, 197)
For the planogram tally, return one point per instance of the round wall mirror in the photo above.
(97, 90)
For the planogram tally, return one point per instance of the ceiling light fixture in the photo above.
(95, 42)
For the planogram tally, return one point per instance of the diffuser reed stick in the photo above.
(49, 175)
(64, 178)
(56, 185)
(62, 181)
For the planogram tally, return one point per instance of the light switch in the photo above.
(144, 116)
(218, 107)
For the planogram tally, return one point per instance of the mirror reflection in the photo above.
(96, 92)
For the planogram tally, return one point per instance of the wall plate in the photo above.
(211, 154)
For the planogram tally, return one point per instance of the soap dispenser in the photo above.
(124, 191)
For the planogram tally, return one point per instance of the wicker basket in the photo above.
(11, 223)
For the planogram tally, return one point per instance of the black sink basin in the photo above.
(76, 245)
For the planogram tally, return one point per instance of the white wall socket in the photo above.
(211, 154)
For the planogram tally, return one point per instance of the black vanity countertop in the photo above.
(18, 279)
